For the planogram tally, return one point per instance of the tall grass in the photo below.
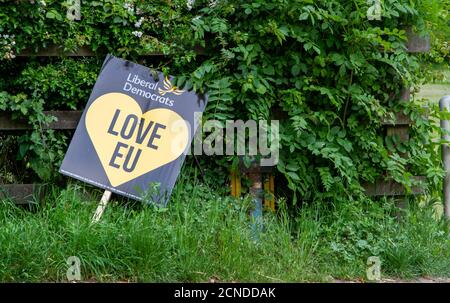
(204, 234)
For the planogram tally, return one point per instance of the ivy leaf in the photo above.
(117, 19)
(293, 175)
(23, 148)
(303, 16)
(269, 70)
(295, 70)
(292, 167)
(50, 15)
(261, 90)
(53, 14)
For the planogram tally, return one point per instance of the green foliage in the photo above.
(355, 231)
(42, 148)
(65, 84)
(328, 70)
(205, 234)
(335, 75)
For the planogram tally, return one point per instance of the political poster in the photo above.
(134, 132)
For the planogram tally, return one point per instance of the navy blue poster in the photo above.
(134, 132)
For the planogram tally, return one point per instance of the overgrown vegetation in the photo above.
(331, 73)
(327, 72)
(204, 235)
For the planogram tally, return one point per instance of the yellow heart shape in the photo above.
(130, 143)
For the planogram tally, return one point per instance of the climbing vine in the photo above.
(328, 72)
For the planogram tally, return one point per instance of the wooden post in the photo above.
(402, 131)
(444, 105)
(256, 191)
(269, 188)
(101, 206)
(235, 184)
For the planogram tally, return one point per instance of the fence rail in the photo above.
(64, 120)
(68, 120)
(21, 193)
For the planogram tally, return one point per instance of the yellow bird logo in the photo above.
(169, 88)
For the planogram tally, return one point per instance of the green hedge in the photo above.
(333, 73)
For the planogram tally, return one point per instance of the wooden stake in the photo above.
(101, 206)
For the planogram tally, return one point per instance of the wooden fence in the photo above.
(68, 120)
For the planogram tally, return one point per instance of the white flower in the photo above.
(7, 46)
(137, 33)
(129, 7)
(212, 3)
(139, 23)
(190, 4)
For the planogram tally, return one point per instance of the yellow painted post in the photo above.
(272, 190)
(269, 187)
(235, 184)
